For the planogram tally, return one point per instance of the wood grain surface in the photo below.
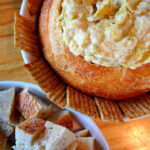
(133, 135)
(11, 62)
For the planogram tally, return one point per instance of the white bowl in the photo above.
(84, 120)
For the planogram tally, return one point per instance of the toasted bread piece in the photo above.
(82, 133)
(38, 134)
(73, 146)
(34, 6)
(109, 110)
(82, 103)
(7, 102)
(31, 106)
(63, 118)
(66, 120)
(27, 131)
(57, 136)
(25, 35)
(8, 147)
(16, 117)
(136, 107)
(86, 143)
(76, 126)
(5, 131)
(48, 81)
(27, 105)
(46, 109)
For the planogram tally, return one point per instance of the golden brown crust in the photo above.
(27, 105)
(108, 82)
(66, 121)
(32, 125)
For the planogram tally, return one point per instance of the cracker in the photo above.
(25, 36)
(109, 110)
(136, 107)
(58, 95)
(82, 103)
(34, 6)
(48, 81)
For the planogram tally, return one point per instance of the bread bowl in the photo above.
(110, 82)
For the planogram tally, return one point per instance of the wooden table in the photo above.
(133, 135)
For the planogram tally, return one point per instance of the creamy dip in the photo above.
(111, 33)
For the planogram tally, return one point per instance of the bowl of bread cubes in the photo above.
(89, 55)
(29, 121)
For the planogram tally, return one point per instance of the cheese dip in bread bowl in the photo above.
(99, 47)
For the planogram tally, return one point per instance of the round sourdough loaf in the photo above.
(96, 80)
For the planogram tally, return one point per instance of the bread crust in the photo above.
(108, 82)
